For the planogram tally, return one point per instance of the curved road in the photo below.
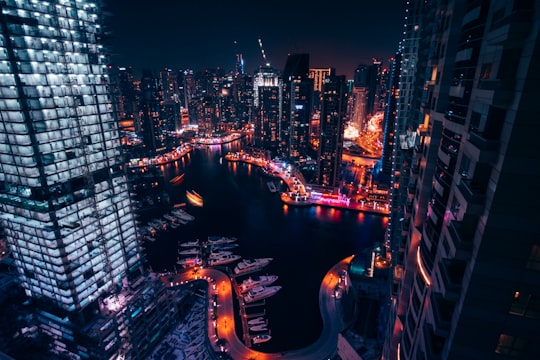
(224, 328)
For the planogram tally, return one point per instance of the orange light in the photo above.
(423, 271)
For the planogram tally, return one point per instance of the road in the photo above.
(223, 326)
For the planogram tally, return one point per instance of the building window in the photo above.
(510, 346)
(534, 258)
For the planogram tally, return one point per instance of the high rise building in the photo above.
(64, 199)
(332, 124)
(467, 281)
(297, 108)
(266, 132)
(152, 124)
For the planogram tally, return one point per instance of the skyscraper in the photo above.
(332, 123)
(297, 108)
(467, 284)
(64, 198)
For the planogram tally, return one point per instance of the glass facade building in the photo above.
(64, 197)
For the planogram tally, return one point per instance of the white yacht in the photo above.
(247, 266)
(222, 260)
(251, 282)
(260, 293)
(257, 339)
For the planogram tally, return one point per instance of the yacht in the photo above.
(260, 327)
(257, 321)
(219, 253)
(182, 214)
(251, 282)
(190, 243)
(247, 266)
(223, 247)
(177, 179)
(189, 261)
(194, 198)
(257, 339)
(222, 260)
(215, 240)
(189, 251)
(260, 293)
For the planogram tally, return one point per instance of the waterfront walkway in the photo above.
(302, 194)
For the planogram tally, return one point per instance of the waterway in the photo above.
(304, 241)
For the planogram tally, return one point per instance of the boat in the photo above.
(215, 240)
(257, 321)
(247, 266)
(257, 339)
(194, 198)
(260, 327)
(177, 180)
(169, 218)
(182, 214)
(271, 186)
(189, 251)
(190, 243)
(260, 293)
(219, 253)
(223, 247)
(189, 261)
(222, 260)
(262, 280)
(175, 225)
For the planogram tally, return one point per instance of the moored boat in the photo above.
(252, 282)
(222, 260)
(261, 327)
(260, 293)
(190, 243)
(257, 339)
(257, 321)
(215, 240)
(247, 266)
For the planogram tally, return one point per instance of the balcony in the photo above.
(472, 192)
(461, 236)
(451, 272)
(511, 30)
(442, 314)
(482, 149)
(433, 344)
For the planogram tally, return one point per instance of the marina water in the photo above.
(304, 241)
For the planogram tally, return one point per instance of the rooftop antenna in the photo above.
(263, 53)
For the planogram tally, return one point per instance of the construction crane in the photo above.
(267, 63)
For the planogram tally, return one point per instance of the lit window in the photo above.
(510, 346)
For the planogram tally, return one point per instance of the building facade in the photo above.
(64, 199)
(468, 286)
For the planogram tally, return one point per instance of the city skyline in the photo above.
(187, 35)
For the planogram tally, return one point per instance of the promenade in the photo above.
(302, 194)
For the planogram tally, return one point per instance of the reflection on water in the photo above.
(304, 241)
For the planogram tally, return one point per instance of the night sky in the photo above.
(199, 34)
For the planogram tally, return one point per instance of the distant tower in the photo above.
(297, 108)
(239, 63)
(332, 123)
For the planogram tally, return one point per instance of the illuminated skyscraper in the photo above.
(297, 108)
(332, 123)
(64, 198)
